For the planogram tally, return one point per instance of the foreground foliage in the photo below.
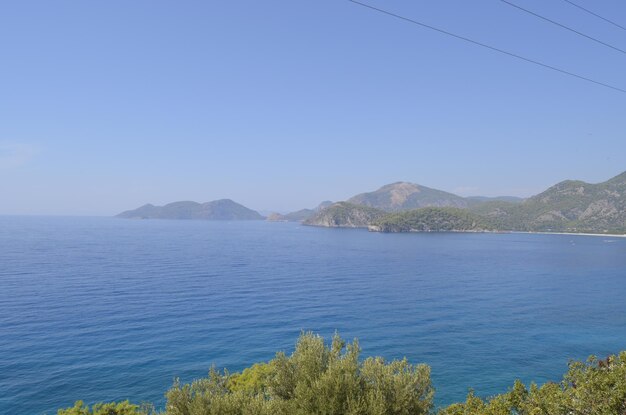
(315, 379)
(320, 379)
(597, 387)
(113, 408)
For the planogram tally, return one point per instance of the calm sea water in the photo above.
(105, 309)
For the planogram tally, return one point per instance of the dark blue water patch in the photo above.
(106, 309)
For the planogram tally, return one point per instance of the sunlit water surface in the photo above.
(106, 309)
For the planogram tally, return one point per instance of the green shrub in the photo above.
(596, 387)
(321, 379)
(314, 379)
(113, 408)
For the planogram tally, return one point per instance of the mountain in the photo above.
(345, 215)
(569, 206)
(481, 199)
(299, 215)
(323, 205)
(224, 209)
(432, 219)
(401, 196)
(394, 197)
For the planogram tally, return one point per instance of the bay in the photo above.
(106, 309)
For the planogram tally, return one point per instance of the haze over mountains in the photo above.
(345, 215)
(299, 215)
(400, 196)
(569, 206)
(223, 209)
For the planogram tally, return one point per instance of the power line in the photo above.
(445, 32)
(563, 26)
(595, 14)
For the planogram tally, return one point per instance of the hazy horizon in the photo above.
(281, 105)
(461, 192)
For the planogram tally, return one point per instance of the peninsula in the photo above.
(570, 206)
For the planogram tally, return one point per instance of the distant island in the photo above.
(299, 215)
(223, 209)
(570, 206)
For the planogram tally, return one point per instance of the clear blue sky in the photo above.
(107, 105)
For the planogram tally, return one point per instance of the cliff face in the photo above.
(224, 209)
(345, 215)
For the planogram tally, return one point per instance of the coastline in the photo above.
(376, 229)
(612, 235)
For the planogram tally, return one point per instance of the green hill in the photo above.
(345, 215)
(569, 206)
(432, 220)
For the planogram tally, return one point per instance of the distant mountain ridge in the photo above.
(480, 199)
(569, 206)
(299, 215)
(223, 209)
(399, 196)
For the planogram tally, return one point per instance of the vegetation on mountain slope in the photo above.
(569, 206)
(345, 215)
(432, 220)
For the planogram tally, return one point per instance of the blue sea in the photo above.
(105, 309)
